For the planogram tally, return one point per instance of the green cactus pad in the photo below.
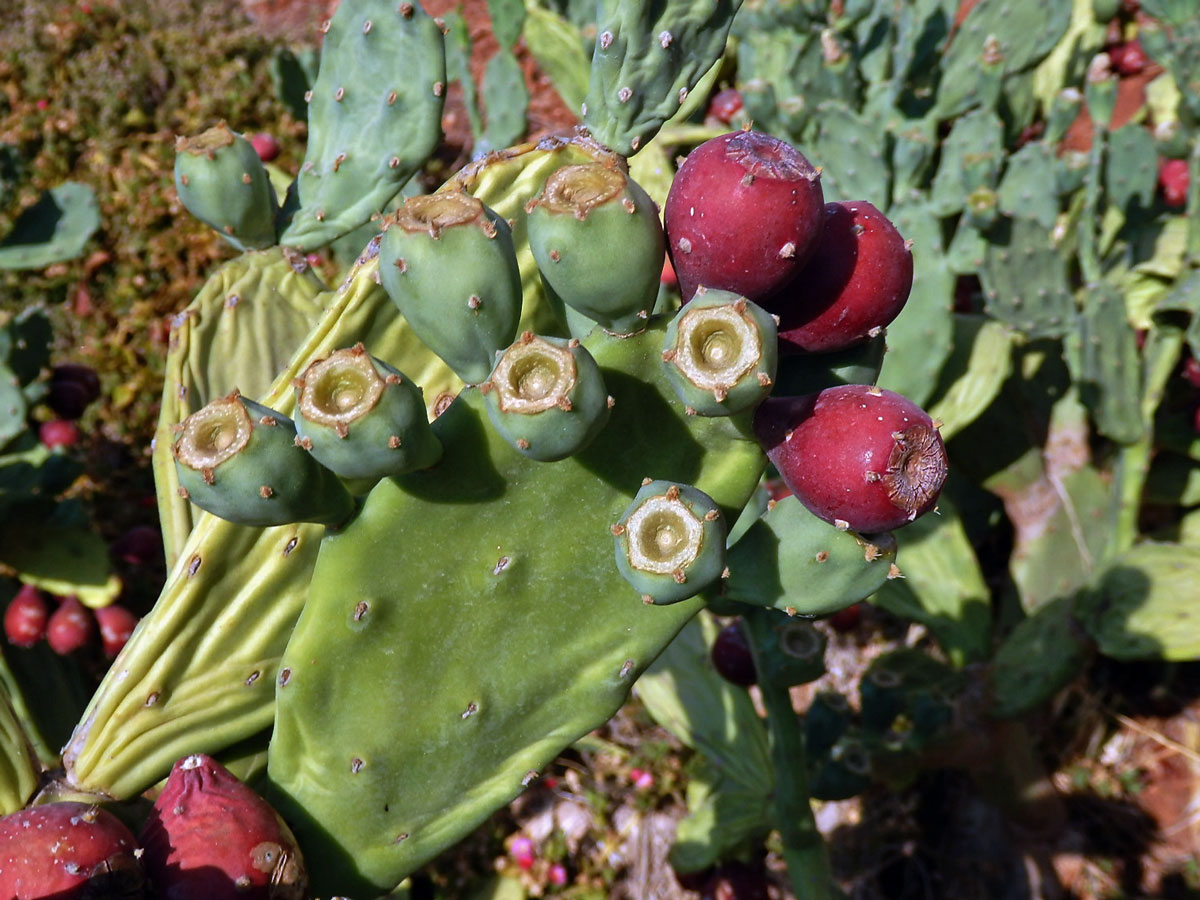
(19, 769)
(223, 183)
(1142, 605)
(720, 353)
(598, 243)
(1024, 279)
(54, 229)
(374, 116)
(363, 419)
(546, 397)
(670, 542)
(793, 561)
(239, 460)
(463, 312)
(1038, 658)
(536, 638)
(646, 61)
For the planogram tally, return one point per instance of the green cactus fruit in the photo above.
(546, 397)
(222, 182)
(239, 460)
(361, 418)
(825, 722)
(720, 353)
(670, 542)
(844, 773)
(794, 652)
(448, 262)
(599, 244)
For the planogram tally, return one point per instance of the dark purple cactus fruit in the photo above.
(73, 387)
(71, 627)
(68, 851)
(141, 545)
(743, 214)
(731, 656)
(210, 837)
(25, 617)
(857, 456)
(856, 282)
(736, 880)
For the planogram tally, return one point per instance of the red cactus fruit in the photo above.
(731, 656)
(116, 625)
(210, 837)
(856, 282)
(857, 456)
(265, 146)
(58, 433)
(725, 106)
(742, 215)
(1173, 181)
(141, 545)
(1128, 58)
(72, 388)
(70, 627)
(25, 618)
(68, 851)
(846, 620)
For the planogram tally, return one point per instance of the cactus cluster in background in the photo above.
(427, 526)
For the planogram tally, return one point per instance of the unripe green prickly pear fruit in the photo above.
(448, 262)
(844, 773)
(825, 722)
(794, 652)
(720, 352)
(239, 460)
(222, 182)
(362, 418)
(670, 541)
(598, 243)
(546, 396)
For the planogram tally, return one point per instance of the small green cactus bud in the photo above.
(546, 397)
(362, 418)
(793, 654)
(598, 243)
(825, 721)
(670, 542)
(448, 263)
(720, 352)
(222, 182)
(844, 773)
(239, 460)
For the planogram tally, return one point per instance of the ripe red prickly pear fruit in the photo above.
(1173, 181)
(68, 851)
(846, 620)
(210, 837)
(116, 625)
(742, 215)
(856, 282)
(26, 616)
(731, 656)
(58, 433)
(70, 627)
(265, 146)
(1128, 58)
(857, 456)
(725, 106)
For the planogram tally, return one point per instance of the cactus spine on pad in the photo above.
(361, 418)
(720, 353)
(599, 244)
(449, 265)
(546, 396)
(222, 182)
(239, 460)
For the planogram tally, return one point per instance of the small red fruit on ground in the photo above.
(1128, 58)
(210, 837)
(856, 282)
(70, 627)
(743, 214)
(58, 433)
(857, 456)
(26, 616)
(116, 625)
(731, 656)
(725, 106)
(265, 146)
(1173, 181)
(68, 851)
